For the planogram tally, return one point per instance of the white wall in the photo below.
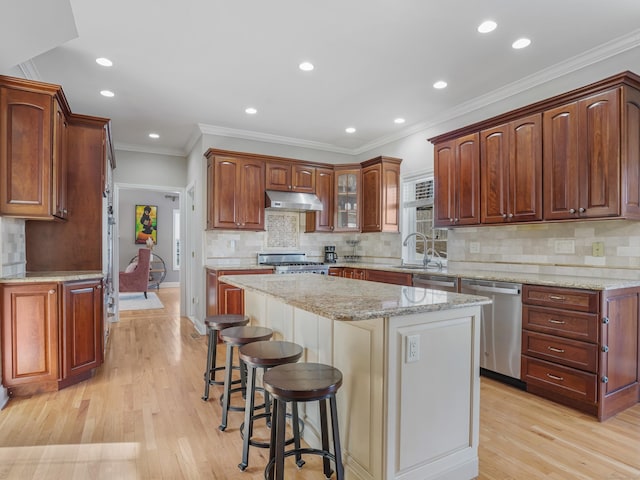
(150, 169)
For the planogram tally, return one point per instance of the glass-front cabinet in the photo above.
(348, 196)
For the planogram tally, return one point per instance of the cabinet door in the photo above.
(322, 221)
(211, 205)
(231, 299)
(249, 195)
(372, 198)
(60, 162)
(494, 155)
(599, 155)
(81, 328)
(225, 172)
(444, 183)
(278, 176)
(26, 139)
(630, 154)
(303, 178)
(30, 336)
(560, 131)
(347, 200)
(525, 169)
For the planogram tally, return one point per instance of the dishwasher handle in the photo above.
(484, 288)
(433, 283)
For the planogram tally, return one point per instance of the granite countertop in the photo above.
(228, 268)
(33, 277)
(567, 281)
(345, 299)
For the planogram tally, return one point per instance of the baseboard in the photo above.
(198, 325)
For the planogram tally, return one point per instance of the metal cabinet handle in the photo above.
(559, 298)
(582, 210)
(555, 377)
(557, 350)
(52, 291)
(511, 215)
(504, 215)
(559, 322)
(572, 210)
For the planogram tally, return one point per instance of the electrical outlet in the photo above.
(597, 249)
(413, 348)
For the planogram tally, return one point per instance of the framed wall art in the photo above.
(146, 223)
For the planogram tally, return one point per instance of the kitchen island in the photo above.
(409, 403)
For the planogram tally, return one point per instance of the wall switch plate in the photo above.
(413, 348)
(474, 247)
(597, 249)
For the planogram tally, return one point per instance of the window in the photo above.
(417, 210)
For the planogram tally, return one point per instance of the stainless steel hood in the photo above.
(292, 201)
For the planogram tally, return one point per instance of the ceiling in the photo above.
(183, 68)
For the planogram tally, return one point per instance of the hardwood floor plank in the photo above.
(141, 417)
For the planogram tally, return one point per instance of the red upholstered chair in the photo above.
(137, 280)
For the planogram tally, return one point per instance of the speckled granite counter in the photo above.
(345, 299)
(229, 268)
(33, 277)
(568, 281)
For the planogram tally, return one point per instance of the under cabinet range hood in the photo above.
(292, 201)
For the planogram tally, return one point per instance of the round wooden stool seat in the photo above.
(303, 382)
(265, 354)
(237, 337)
(214, 324)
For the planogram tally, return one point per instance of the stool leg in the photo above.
(271, 464)
(325, 437)
(243, 378)
(211, 363)
(248, 416)
(227, 388)
(295, 424)
(280, 435)
(336, 438)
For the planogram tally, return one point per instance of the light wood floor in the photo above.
(141, 417)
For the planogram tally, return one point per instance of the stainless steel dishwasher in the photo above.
(435, 282)
(501, 325)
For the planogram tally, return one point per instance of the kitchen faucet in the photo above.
(425, 260)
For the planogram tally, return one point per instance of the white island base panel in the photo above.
(402, 416)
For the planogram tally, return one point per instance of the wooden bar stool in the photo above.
(215, 324)
(237, 337)
(265, 355)
(303, 382)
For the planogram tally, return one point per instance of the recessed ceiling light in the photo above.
(487, 26)
(306, 66)
(154, 135)
(350, 130)
(399, 120)
(107, 93)
(250, 110)
(521, 43)
(105, 62)
(440, 84)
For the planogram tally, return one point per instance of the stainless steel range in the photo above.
(292, 263)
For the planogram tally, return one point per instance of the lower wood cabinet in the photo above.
(223, 298)
(51, 334)
(580, 347)
(384, 276)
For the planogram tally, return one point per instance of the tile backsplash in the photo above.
(554, 248)
(284, 231)
(12, 247)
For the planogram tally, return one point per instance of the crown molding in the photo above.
(269, 138)
(127, 147)
(30, 71)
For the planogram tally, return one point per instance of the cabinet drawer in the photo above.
(571, 353)
(576, 325)
(568, 382)
(569, 298)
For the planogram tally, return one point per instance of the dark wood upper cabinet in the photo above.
(511, 171)
(236, 192)
(590, 146)
(457, 181)
(381, 195)
(582, 158)
(322, 221)
(290, 177)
